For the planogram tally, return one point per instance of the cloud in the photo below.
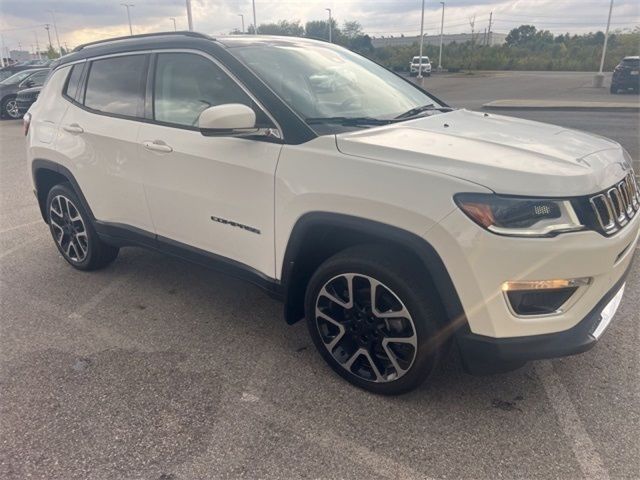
(86, 20)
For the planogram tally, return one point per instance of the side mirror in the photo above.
(231, 119)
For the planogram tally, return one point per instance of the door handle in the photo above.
(157, 146)
(73, 128)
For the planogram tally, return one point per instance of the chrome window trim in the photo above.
(278, 133)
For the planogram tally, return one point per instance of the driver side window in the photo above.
(186, 84)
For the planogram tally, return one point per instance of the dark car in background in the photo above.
(9, 88)
(26, 98)
(6, 72)
(626, 75)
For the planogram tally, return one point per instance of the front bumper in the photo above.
(483, 355)
(480, 262)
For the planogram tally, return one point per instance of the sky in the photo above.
(22, 22)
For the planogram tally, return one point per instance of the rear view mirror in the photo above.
(231, 119)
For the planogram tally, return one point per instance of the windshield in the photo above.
(16, 77)
(324, 81)
(417, 60)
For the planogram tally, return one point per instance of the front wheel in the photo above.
(73, 232)
(613, 89)
(375, 318)
(10, 108)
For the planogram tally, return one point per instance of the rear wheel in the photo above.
(73, 232)
(375, 319)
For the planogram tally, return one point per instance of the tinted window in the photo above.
(186, 84)
(631, 62)
(37, 79)
(16, 77)
(74, 80)
(116, 85)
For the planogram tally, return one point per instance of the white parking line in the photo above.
(17, 227)
(251, 397)
(588, 458)
(17, 247)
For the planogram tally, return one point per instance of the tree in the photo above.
(319, 29)
(283, 27)
(521, 36)
(52, 53)
(352, 29)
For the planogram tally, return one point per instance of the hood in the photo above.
(11, 88)
(508, 155)
(29, 91)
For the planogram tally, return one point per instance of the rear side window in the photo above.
(71, 90)
(116, 85)
(186, 84)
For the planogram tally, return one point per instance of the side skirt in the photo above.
(122, 235)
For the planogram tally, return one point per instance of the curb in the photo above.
(560, 105)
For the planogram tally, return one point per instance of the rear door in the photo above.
(99, 136)
(212, 193)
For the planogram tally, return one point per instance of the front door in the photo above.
(212, 193)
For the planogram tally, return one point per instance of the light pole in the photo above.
(330, 24)
(598, 80)
(2, 51)
(189, 16)
(128, 6)
(242, 17)
(55, 29)
(175, 29)
(255, 25)
(47, 27)
(421, 42)
(37, 45)
(441, 31)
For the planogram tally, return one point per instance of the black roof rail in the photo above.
(186, 33)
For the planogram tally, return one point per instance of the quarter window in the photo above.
(71, 89)
(186, 84)
(116, 85)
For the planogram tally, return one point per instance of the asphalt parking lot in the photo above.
(158, 369)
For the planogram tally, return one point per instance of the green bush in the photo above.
(526, 49)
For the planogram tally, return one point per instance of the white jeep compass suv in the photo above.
(392, 223)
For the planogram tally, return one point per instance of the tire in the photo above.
(354, 328)
(73, 232)
(9, 108)
(613, 89)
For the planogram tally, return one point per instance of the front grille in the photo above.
(615, 207)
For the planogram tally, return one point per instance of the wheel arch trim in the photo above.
(419, 246)
(38, 165)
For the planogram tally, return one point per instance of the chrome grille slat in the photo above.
(618, 205)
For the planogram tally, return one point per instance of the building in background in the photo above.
(20, 55)
(492, 38)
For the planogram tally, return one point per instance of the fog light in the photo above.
(541, 297)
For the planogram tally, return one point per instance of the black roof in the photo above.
(184, 39)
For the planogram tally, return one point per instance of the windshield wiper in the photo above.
(424, 108)
(347, 121)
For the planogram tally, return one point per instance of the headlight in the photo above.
(520, 216)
